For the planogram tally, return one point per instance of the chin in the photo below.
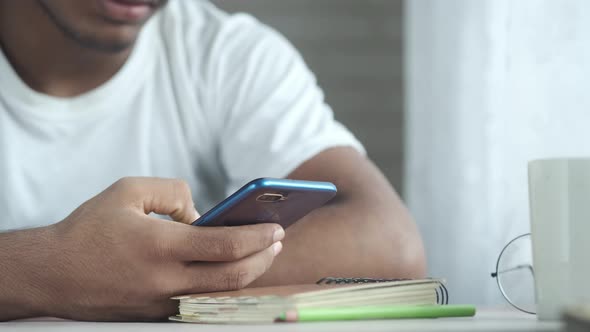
(114, 41)
(114, 47)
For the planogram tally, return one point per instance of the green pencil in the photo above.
(377, 312)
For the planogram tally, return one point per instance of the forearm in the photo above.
(23, 255)
(367, 231)
(348, 240)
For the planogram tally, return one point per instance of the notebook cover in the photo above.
(282, 291)
(304, 290)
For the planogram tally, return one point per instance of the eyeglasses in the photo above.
(515, 274)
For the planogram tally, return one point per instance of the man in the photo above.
(127, 94)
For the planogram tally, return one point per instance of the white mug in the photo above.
(559, 193)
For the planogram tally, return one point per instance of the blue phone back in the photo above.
(251, 205)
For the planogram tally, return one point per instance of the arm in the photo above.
(22, 254)
(366, 231)
(275, 119)
(110, 260)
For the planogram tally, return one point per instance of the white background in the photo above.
(490, 85)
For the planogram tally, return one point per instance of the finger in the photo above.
(170, 197)
(218, 244)
(216, 277)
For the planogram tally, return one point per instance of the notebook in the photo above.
(266, 304)
(577, 318)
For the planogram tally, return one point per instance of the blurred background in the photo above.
(452, 99)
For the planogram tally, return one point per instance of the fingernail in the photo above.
(277, 247)
(278, 235)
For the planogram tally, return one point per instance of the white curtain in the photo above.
(490, 85)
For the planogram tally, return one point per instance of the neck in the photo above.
(45, 58)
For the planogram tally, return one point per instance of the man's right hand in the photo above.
(110, 260)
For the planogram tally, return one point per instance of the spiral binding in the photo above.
(442, 293)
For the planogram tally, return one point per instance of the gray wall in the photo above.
(355, 49)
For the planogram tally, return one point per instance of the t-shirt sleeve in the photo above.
(274, 114)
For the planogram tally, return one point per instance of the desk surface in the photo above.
(485, 320)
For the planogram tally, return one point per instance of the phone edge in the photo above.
(262, 183)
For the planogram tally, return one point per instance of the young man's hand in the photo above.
(110, 260)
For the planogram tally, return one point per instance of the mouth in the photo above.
(129, 11)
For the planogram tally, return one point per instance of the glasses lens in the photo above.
(516, 274)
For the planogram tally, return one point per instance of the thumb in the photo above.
(170, 197)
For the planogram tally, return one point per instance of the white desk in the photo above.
(485, 320)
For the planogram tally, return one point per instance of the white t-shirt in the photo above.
(214, 99)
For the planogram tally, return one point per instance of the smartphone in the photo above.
(268, 200)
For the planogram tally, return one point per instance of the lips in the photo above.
(129, 11)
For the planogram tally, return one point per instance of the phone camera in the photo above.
(270, 198)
